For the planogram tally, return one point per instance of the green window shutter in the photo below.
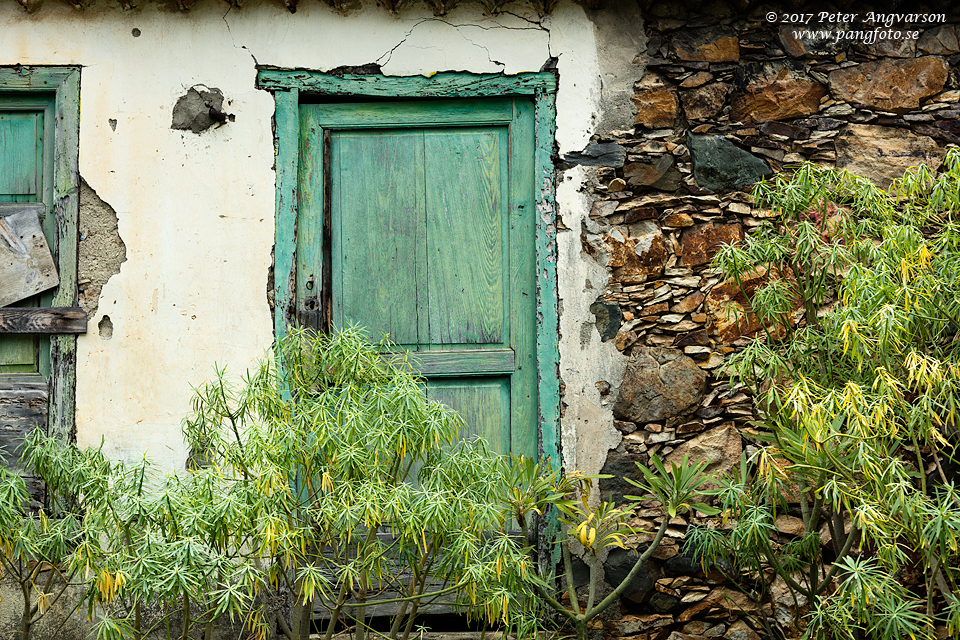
(21, 180)
(432, 241)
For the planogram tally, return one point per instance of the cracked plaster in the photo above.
(197, 213)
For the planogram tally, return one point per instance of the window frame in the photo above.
(63, 84)
(288, 86)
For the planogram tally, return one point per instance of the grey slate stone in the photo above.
(719, 165)
(607, 154)
(609, 319)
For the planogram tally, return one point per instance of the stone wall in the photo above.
(728, 99)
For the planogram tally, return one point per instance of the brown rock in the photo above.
(660, 307)
(658, 384)
(642, 253)
(775, 91)
(720, 448)
(709, 44)
(697, 79)
(726, 307)
(690, 427)
(678, 220)
(734, 602)
(740, 630)
(632, 212)
(647, 173)
(617, 184)
(700, 243)
(689, 303)
(632, 625)
(790, 525)
(695, 338)
(889, 85)
(939, 41)
(883, 153)
(656, 104)
(704, 102)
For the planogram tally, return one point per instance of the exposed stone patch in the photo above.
(705, 132)
(658, 383)
(883, 153)
(199, 109)
(101, 251)
(890, 85)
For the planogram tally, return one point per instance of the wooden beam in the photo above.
(52, 320)
(441, 85)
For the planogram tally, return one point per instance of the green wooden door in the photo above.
(24, 178)
(417, 220)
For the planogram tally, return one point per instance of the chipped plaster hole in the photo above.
(102, 251)
(113, 123)
(199, 109)
(106, 327)
(135, 32)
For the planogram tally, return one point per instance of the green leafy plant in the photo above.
(596, 527)
(856, 376)
(36, 545)
(327, 481)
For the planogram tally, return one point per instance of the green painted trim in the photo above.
(66, 203)
(441, 85)
(64, 84)
(406, 114)
(541, 86)
(548, 321)
(287, 149)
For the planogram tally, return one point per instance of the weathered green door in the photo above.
(417, 219)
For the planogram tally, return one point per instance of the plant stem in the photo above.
(641, 561)
(186, 616)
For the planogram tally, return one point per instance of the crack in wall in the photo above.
(538, 27)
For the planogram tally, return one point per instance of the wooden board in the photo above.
(26, 265)
(23, 408)
(46, 320)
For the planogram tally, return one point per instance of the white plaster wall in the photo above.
(197, 212)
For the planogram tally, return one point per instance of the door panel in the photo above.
(465, 236)
(431, 241)
(21, 155)
(483, 403)
(376, 182)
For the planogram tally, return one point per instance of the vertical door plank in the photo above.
(287, 160)
(309, 259)
(465, 236)
(377, 185)
(523, 292)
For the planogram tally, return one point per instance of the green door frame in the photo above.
(288, 86)
(63, 85)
